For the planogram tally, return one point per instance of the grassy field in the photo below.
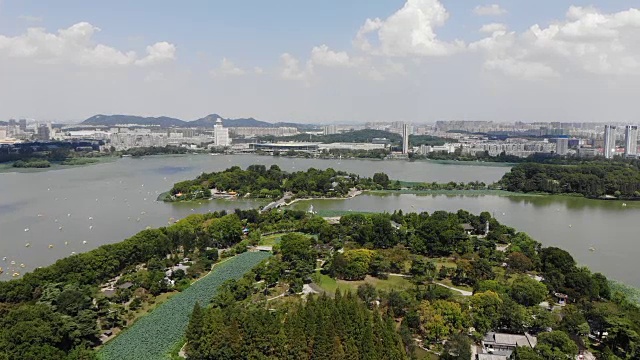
(274, 239)
(425, 355)
(330, 285)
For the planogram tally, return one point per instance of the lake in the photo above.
(111, 201)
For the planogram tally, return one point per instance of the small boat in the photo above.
(50, 246)
(60, 228)
(90, 227)
(27, 244)
(66, 243)
(90, 217)
(16, 274)
(12, 262)
(4, 258)
(39, 215)
(592, 249)
(22, 265)
(84, 242)
(569, 225)
(27, 229)
(68, 215)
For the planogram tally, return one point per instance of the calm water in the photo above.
(109, 202)
(116, 194)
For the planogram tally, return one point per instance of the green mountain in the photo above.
(167, 122)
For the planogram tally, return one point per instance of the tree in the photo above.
(195, 328)
(367, 293)
(519, 262)
(556, 345)
(457, 348)
(440, 318)
(527, 291)
(381, 179)
(485, 311)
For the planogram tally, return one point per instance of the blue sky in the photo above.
(424, 60)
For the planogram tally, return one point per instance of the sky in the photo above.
(330, 61)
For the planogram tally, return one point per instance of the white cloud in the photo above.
(587, 40)
(410, 31)
(291, 69)
(322, 55)
(30, 18)
(258, 70)
(493, 27)
(158, 53)
(489, 10)
(75, 45)
(227, 68)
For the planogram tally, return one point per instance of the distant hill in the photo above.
(167, 122)
(210, 120)
(112, 120)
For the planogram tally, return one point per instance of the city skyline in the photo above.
(415, 61)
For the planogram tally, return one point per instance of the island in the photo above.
(294, 285)
(259, 182)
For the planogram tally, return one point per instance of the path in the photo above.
(462, 292)
(276, 204)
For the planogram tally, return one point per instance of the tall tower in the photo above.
(220, 134)
(630, 141)
(609, 141)
(405, 138)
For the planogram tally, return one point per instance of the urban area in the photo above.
(469, 139)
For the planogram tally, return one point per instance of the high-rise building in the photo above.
(23, 125)
(405, 138)
(609, 141)
(630, 141)
(221, 135)
(44, 132)
(562, 146)
(330, 130)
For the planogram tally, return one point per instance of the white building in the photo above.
(405, 138)
(330, 130)
(631, 141)
(562, 146)
(609, 141)
(221, 135)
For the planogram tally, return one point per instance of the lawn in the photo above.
(330, 285)
(273, 239)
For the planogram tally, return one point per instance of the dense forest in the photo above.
(308, 330)
(258, 181)
(154, 150)
(591, 179)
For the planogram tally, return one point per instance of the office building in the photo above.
(220, 134)
(23, 125)
(405, 138)
(44, 132)
(609, 141)
(630, 141)
(562, 146)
